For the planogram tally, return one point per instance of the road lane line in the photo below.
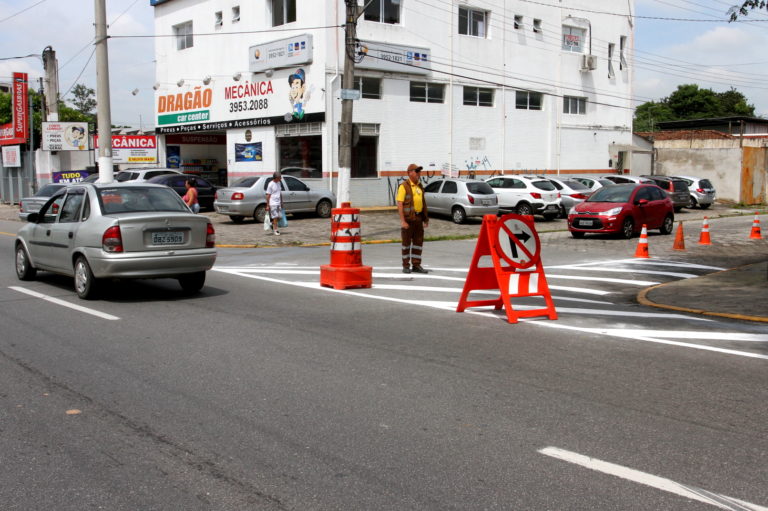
(93, 312)
(646, 479)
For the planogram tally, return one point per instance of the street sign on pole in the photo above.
(353, 94)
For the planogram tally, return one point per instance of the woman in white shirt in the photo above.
(275, 200)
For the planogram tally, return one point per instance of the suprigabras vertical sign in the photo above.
(16, 131)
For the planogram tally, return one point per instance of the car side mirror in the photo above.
(641, 202)
(33, 218)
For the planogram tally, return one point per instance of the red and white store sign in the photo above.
(132, 148)
(16, 131)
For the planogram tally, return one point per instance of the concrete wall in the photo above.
(722, 166)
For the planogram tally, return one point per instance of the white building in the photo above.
(470, 86)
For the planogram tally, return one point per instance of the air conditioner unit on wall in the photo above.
(588, 62)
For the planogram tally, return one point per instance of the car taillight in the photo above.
(578, 196)
(238, 196)
(21, 206)
(558, 195)
(112, 240)
(700, 190)
(210, 237)
(470, 199)
(536, 195)
(215, 195)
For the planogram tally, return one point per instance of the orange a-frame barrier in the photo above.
(514, 246)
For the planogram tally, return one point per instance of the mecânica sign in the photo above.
(132, 148)
(226, 104)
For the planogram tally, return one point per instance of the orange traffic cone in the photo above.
(679, 238)
(755, 234)
(642, 245)
(704, 236)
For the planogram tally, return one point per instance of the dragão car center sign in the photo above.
(285, 97)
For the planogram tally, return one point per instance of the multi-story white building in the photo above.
(464, 86)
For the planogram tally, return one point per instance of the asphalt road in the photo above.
(261, 393)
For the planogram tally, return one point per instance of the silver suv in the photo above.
(526, 195)
(142, 175)
(461, 198)
(702, 192)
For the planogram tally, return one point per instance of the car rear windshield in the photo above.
(48, 190)
(617, 193)
(680, 186)
(480, 189)
(544, 185)
(575, 185)
(704, 183)
(245, 182)
(139, 199)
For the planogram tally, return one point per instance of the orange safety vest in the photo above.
(408, 211)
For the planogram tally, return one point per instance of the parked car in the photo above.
(572, 192)
(141, 175)
(676, 188)
(247, 197)
(702, 192)
(206, 192)
(593, 183)
(623, 209)
(526, 195)
(96, 231)
(461, 198)
(32, 204)
(301, 172)
(626, 178)
(91, 178)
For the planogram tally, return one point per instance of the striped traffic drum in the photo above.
(346, 269)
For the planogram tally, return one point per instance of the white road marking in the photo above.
(643, 283)
(57, 301)
(657, 262)
(635, 270)
(644, 478)
(689, 334)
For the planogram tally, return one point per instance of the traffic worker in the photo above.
(412, 207)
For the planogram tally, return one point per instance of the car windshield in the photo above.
(613, 193)
(245, 182)
(544, 185)
(138, 199)
(480, 188)
(48, 190)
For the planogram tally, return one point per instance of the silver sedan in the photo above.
(247, 197)
(97, 231)
(32, 204)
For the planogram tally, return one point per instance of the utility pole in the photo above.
(51, 67)
(103, 112)
(347, 82)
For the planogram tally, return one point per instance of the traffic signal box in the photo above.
(513, 244)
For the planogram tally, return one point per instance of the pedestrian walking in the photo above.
(412, 208)
(275, 200)
(190, 198)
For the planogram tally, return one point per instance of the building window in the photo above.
(218, 19)
(472, 22)
(518, 22)
(528, 100)
(424, 92)
(183, 33)
(370, 88)
(283, 11)
(611, 48)
(574, 105)
(478, 96)
(573, 39)
(383, 11)
(236, 14)
(622, 47)
(537, 26)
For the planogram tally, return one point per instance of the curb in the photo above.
(642, 298)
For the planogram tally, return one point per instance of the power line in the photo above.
(22, 11)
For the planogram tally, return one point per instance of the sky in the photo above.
(668, 52)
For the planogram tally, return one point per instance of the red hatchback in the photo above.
(623, 209)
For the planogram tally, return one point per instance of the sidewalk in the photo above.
(740, 293)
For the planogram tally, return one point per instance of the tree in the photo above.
(84, 99)
(691, 102)
(748, 5)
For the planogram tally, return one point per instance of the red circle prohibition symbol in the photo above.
(521, 256)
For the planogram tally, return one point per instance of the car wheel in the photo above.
(667, 225)
(692, 203)
(24, 269)
(323, 209)
(577, 235)
(628, 228)
(192, 282)
(524, 209)
(238, 219)
(86, 284)
(259, 212)
(458, 215)
(549, 217)
(563, 212)
(704, 206)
